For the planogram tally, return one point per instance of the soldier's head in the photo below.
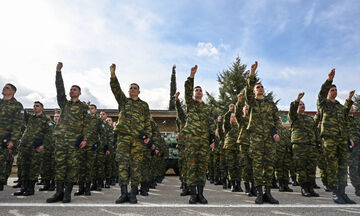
(134, 90)
(259, 90)
(332, 92)
(93, 109)
(109, 121)
(75, 91)
(103, 115)
(38, 107)
(233, 118)
(9, 90)
(301, 107)
(198, 92)
(245, 111)
(56, 117)
(352, 111)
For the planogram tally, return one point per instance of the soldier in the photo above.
(11, 121)
(114, 165)
(335, 138)
(71, 134)
(134, 119)
(198, 136)
(354, 129)
(262, 129)
(232, 149)
(109, 151)
(38, 128)
(222, 162)
(216, 151)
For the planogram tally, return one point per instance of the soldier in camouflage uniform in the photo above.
(11, 121)
(38, 127)
(87, 154)
(283, 158)
(198, 136)
(354, 172)
(222, 163)
(262, 129)
(114, 165)
(216, 152)
(231, 147)
(335, 138)
(109, 152)
(71, 134)
(306, 142)
(134, 118)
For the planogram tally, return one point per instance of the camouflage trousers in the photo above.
(99, 165)
(354, 165)
(146, 165)
(197, 157)
(223, 164)
(232, 160)
(30, 163)
(85, 165)
(66, 156)
(9, 163)
(211, 167)
(129, 156)
(305, 156)
(282, 165)
(246, 163)
(337, 155)
(322, 166)
(217, 172)
(262, 152)
(18, 164)
(48, 163)
(182, 163)
(108, 165)
(4, 157)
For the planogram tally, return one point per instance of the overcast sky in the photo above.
(296, 43)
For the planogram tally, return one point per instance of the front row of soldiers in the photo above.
(80, 147)
(257, 148)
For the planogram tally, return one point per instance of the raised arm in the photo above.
(325, 87)
(249, 90)
(294, 107)
(189, 86)
(60, 89)
(115, 87)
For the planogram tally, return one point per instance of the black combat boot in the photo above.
(193, 196)
(281, 186)
(200, 196)
(107, 183)
(345, 196)
(30, 189)
(357, 190)
(46, 186)
(23, 188)
(185, 191)
(247, 189)
(67, 193)
(59, 195)
(238, 183)
(224, 183)
(93, 186)
(337, 197)
(315, 185)
(305, 189)
(286, 186)
(211, 179)
(132, 194)
(143, 190)
(311, 190)
(274, 184)
(295, 183)
(233, 186)
(1, 187)
(124, 195)
(253, 189)
(87, 189)
(182, 185)
(52, 185)
(229, 185)
(18, 183)
(81, 190)
(99, 184)
(113, 181)
(217, 181)
(153, 184)
(268, 197)
(260, 196)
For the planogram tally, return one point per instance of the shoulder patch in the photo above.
(22, 111)
(103, 125)
(50, 124)
(89, 112)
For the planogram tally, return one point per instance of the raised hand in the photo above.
(193, 71)
(277, 138)
(253, 68)
(231, 107)
(331, 74)
(240, 97)
(177, 95)
(351, 94)
(59, 66)
(301, 95)
(112, 70)
(219, 118)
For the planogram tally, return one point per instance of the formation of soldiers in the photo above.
(248, 143)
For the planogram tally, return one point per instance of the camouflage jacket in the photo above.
(354, 129)
(303, 127)
(134, 115)
(37, 127)
(231, 133)
(221, 136)
(264, 116)
(198, 121)
(334, 115)
(284, 145)
(11, 119)
(243, 137)
(75, 116)
(97, 128)
(156, 136)
(181, 116)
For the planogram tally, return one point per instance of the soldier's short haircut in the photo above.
(38, 102)
(93, 105)
(76, 86)
(197, 87)
(12, 86)
(135, 84)
(258, 83)
(332, 86)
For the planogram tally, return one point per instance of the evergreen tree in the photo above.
(172, 89)
(357, 102)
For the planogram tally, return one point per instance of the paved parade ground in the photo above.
(165, 200)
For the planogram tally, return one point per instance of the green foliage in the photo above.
(172, 89)
(357, 102)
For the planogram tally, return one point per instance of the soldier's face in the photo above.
(233, 118)
(259, 89)
(93, 110)
(109, 121)
(134, 91)
(56, 118)
(301, 108)
(245, 111)
(198, 93)
(103, 115)
(7, 91)
(332, 93)
(75, 92)
(37, 108)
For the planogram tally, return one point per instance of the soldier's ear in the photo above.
(139, 91)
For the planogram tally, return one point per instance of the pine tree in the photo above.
(172, 88)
